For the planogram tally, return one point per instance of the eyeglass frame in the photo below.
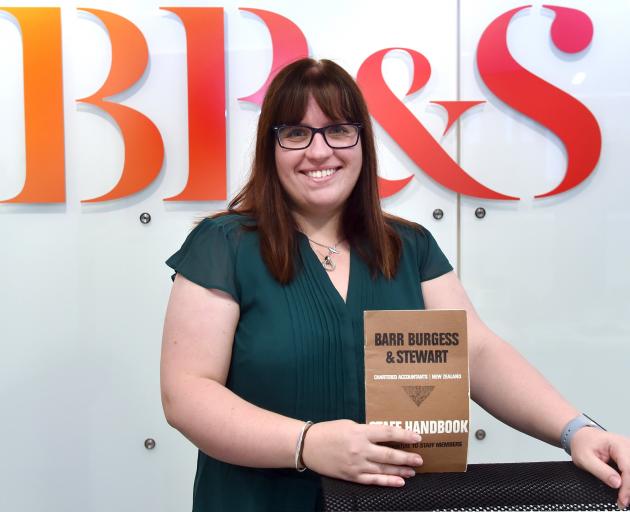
(315, 131)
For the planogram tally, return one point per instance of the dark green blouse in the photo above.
(298, 348)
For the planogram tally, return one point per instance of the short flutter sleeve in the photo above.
(208, 257)
(431, 260)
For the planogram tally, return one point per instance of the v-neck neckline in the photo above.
(324, 274)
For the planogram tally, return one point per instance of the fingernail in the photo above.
(417, 461)
(417, 438)
(409, 473)
(620, 506)
(614, 481)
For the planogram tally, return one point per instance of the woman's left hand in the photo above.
(592, 449)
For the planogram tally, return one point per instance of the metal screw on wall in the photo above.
(480, 434)
(145, 218)
(438, 214)
(149, 443)
(480, 213)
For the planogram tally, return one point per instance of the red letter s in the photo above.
(537, 99)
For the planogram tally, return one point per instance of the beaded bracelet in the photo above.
(299, 447)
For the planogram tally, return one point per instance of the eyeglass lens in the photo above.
(336, 136)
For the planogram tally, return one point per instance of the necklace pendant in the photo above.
(329, 264)
(333, 250)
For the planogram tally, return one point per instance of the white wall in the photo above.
(84, 286)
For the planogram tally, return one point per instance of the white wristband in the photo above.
(573, 426)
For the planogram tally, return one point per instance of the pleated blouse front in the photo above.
(298, 348)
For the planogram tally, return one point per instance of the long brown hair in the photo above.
(363, 222)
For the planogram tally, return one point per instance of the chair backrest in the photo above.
(513, 486)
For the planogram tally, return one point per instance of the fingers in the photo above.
(623, 499)
(605, 473)
(621, 454)
(594, 449)
(383, 480)
(391, 456)
(386, 475)
(601, 470)
(347, 450)
(387, 434)
(387, 466)
(389, 469)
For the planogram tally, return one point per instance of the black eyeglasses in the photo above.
(337, 136)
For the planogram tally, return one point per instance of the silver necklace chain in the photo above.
(327, 262)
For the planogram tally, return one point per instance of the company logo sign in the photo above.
(530, 95)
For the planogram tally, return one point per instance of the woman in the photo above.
(264, 327)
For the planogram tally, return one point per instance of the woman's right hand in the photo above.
(351, 451)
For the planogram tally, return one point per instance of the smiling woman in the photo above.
(318, 177)
(262, 356)
(314, 172)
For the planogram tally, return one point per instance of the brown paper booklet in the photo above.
(416, 377)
